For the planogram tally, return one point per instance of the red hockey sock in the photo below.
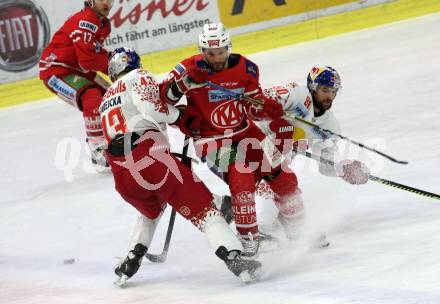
(287, 194)
(242, 187)
(90, 100)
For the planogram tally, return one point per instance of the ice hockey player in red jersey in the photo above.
(69, 64)
(148, 176)
(313, 103)
(225, 135)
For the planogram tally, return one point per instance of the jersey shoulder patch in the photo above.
(179, 68)
(301, 100)
(87, 25)
(251, 68)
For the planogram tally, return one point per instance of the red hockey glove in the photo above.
(353, 171)
(188, 121)
(287, 138)
(269, 109)
(192, 78)
(282, 129)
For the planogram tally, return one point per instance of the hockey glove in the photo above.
(353, 171)
(192, 78)
(268, 109)
(188, 121)
(284, 136)
(282, 129)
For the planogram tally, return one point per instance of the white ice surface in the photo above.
(385, 242)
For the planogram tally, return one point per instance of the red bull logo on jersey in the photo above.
(120, 87)
(228, 115)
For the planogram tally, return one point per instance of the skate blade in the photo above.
(121, 281)
(248, 277)
(321, 242)
(321, 245)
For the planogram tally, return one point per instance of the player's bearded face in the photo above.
(324, 97)
(103, 7)
(216, 58)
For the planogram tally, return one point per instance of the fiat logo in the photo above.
(24, 32)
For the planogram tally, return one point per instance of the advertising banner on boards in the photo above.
(26, 26)
(147, 26)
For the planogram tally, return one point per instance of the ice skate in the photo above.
(130, 265)
(98, 158)
(247, 270)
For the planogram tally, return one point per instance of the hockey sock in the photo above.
(242, 186)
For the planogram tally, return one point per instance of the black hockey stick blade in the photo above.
(376, 179)
(404, 187)
(160, 258)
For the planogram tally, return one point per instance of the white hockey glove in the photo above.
(353, 171)
(192, 78)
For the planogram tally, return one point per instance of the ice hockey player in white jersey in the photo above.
(148, 176)
(313, 103)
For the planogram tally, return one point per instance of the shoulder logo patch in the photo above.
(251, 68)
(180, 68)
(88, 26)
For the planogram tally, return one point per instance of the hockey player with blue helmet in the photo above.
(148, 176)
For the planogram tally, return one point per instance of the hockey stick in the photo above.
(161, 257)
(403, 162)
(181, 156)
(374, 178)
(254, 101)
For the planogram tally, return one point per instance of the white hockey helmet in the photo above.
(122, 59)
(214, 35)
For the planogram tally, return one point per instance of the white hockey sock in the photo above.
(219, 234)
(143, 231)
